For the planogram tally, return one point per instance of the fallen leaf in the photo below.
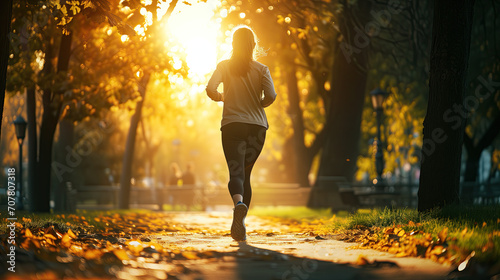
(66, 241)
(121, 254)
(362, 261)
(92, 254)
(71, 234)
(443, 234)
(49, 236)
(190, 255)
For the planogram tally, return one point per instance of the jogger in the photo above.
(248, 88)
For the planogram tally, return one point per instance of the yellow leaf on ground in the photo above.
(76, 249)
(135, 246)
(190, 255)
(362, 260)
(401, 254)
(71, 234)
(92, 254)
(121, 254)
(437, 250)
(28, 233)
(66, 240)
(49, 236)
(443, 234)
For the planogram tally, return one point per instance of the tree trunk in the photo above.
(442, 143)
(52, 103)
(50, 117)
(128, 156)
(64, 146)
(32, 142)
(298, 163)
(5, 19)
(345, 106)
(343, 110)
(31, 120)
(343, 121)
(472, 166)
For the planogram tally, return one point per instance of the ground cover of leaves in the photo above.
(105, 245)
(410, 240)
(98, 248)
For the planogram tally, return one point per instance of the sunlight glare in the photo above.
(194, 27)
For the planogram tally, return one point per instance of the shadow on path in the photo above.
(257, 263)
(273, 252)
(250, 263)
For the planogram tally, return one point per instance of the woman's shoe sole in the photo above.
(238, 230)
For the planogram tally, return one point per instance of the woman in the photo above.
(248, 88)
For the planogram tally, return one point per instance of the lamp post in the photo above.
(378, 97)
(20, 125)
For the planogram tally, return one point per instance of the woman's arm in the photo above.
(213, 84)
(268, 87)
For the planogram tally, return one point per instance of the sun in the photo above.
(195, 28)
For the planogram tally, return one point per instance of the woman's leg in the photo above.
(254, 144)
(234, 145)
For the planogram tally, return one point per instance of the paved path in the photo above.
(277, 251)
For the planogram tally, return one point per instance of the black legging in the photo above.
(242, 144)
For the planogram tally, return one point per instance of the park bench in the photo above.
(98, 195)
(276, 194)
(264, 194)
(185, 195)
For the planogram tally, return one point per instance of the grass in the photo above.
(291, 212)
(62, 221)
(471, 228)
(456, 219)
(169, 207)
(35, 221)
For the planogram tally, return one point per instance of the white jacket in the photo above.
(244, 97)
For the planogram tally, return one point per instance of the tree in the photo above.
(345, 106)
(442, 142)
(51, 33)
(147, 69)
(483, 125)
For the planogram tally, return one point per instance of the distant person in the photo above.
(248, 88)
(188, 177)
(175, 175)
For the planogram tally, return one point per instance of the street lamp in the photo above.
(20, 125)
(378, 97)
